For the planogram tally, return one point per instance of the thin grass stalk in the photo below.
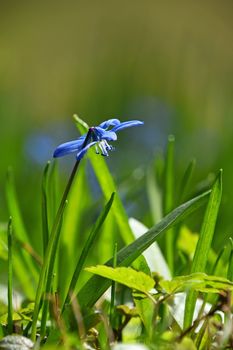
(10, 278)
(45, 224)
(48, 288)
(52, 239)
(86, 249)
(169, 200)
(186, 180)
(230, 265)
(113, 287)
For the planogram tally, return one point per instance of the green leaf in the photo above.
(154, 195)
(88, 245)
(76, 210)
(125, 275)
(198, 281)
(96, 285)
(186, 179)
(204, 244)
(26, 271)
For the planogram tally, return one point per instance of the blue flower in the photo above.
(96, 135)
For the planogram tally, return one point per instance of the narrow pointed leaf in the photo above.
(89, 243)
(204, 244)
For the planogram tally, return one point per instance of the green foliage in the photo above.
(72, 309)
(125, 275)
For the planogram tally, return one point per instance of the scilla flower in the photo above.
(97, 136)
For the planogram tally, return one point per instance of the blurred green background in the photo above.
(169, 63)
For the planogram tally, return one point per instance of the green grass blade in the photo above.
(54, 237)
(10, 278)
(45, 224)
(76, 210)
(96, 286)
(230, 265)
(26, 271)
(204, 244)
(49, 281)
(89, 243)
(186, 180)
(113, 288)
(52, 192)
(154, 195)
(14, 208)
(169, 199)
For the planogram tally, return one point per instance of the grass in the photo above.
(86, 250)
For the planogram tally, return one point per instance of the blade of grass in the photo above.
(45, 224)
(113, 288)
(154, 195)
(19, 229)
(91, 239)
(96, 285)
(230, 265)
(186, 179)
(10, 278)
(169, 199)
(52, 193)
(49, 281)
(72, 225)
(204, 244)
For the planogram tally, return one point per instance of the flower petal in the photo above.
(82, 152)
(127, 124)
(105, 134)
(109, 122)
(69, 147)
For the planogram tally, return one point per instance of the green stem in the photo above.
(53, 238)
(10, 273)
(113, 289)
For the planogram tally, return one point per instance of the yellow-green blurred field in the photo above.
(169, 63)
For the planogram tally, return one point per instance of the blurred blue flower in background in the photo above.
(98, 136)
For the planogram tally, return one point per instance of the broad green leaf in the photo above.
(145, 309)
(198, 281)
(204, 243)
(96, 285)
(125, 275)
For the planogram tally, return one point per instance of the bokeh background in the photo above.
(169, 63)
